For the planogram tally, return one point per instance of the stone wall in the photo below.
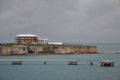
(76, 50)
(5, 51)
(19, 50)
(14, 50)
(25, 50)
(35, 49)
(64, 50)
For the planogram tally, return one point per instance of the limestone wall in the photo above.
(24, 50)
(19, 50)
(64, 50)
(76, 50)
(4, 51)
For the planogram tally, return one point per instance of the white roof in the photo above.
(60, 43)
(25, 35)
(42, 39)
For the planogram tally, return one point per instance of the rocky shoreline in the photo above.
(46, 54)
(20, 50)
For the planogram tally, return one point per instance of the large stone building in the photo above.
(30, 39)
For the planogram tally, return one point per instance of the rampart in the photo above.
(26, 50)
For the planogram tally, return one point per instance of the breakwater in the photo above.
(51, 49)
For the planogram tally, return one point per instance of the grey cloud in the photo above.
(61, 20)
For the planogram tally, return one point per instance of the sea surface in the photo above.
(57, 68)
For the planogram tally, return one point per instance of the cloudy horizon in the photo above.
(77, 21)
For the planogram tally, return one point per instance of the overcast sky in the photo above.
(78, 21)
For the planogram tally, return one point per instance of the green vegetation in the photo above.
(72, 45)
(7, 44)
(76, 45)
(39, 45)
(46, 45)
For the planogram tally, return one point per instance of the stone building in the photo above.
(30, 39)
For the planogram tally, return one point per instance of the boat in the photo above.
(72, 62)
(16, 62)
(107, 63)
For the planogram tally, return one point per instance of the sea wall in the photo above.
(76, 50)
(6, 51)
(26, 50)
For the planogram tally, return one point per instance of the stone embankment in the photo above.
(26, 50)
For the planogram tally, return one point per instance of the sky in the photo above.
(77, 21)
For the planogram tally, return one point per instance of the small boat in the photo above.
(16, 62)
(72, 62)
(107, 63)
(117, 52)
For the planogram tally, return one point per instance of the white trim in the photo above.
(26, 35)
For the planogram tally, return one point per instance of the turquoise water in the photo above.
(57, 68)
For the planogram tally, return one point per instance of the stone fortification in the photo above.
(76, 50)
(26, 50)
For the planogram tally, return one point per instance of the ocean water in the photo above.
(57, 67)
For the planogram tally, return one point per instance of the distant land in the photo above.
(10, 49)
(30, 44)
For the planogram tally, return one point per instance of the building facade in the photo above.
(29, 39)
